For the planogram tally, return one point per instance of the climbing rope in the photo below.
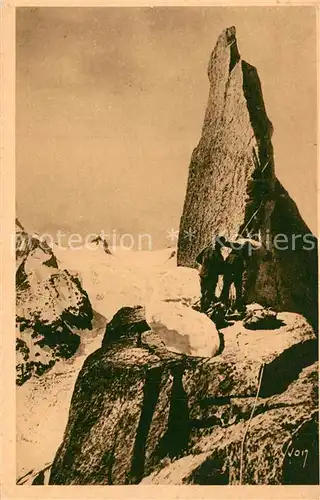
(265, 166)
(254, 214)
(249, 422)
(68, 326)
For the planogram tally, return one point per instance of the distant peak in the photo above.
(19, 225)
(103, 242)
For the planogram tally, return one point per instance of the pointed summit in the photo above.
(232, 188)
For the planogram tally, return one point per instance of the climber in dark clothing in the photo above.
(234, 268)
(236, 264)
(212, 265)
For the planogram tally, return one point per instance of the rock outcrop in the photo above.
(179, 328)
(51, 307)
(103, 243)
(257, 317)
(127, 322)
(146, 407)
(135, 410)
(233, 190)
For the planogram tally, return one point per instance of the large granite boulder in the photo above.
(137, 407)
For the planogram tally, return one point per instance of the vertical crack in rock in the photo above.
(261, 125)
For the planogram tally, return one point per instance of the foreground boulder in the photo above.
(232, 189)
(136, 409)
(182, 329)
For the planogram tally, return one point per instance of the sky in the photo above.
(110, 104)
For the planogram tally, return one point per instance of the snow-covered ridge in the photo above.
(123, 278)
(51, 307)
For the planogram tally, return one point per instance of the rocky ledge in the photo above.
(140, 413)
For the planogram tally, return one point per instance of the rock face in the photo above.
(127, 322)
(233, 190)
(50, 305)
(136, 411)
(281, 445)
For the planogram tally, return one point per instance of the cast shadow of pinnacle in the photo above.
(150, 398)
(260, 122)
(234, 55)
(176, 438)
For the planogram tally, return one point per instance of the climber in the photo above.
(211, 264)
(237, 262)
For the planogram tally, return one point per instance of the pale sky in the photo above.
(110, 105)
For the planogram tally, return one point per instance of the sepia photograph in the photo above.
(165, 246)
